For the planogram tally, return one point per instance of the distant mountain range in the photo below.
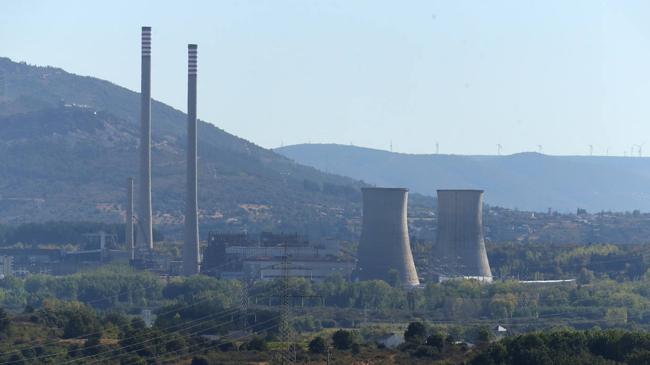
(526, 181)
(68, 144)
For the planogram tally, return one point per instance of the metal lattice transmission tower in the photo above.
(244, 301)
(288, 352)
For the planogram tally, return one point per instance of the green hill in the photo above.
(68, 144)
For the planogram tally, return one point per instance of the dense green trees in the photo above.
(568, 347)
(585, 262)
(103, 288)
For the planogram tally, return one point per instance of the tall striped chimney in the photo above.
(128, 232)
(145, 231)
(191, 259)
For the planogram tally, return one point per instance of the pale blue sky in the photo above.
(469, 74)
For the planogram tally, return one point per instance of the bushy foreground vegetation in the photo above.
(72, 333)
(97, 316)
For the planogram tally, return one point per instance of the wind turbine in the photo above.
(539, 148)
(591, 150)
(499, 149)
(639, 149)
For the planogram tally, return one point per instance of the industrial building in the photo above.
(24, 261)
(460, 248)
(385, 244)
(239, 256)
(6, 266)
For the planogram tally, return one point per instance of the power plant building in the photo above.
(240, 255)
(385, 244)
(460, 246)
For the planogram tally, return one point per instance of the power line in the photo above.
(228, 339)
(176, 309)
(164, 334)
(96, 333)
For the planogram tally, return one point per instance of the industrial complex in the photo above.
(384, 248)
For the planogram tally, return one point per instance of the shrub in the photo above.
(200, 360)
(257, 344)
(342, 339)
(416, 332)
(318, 345)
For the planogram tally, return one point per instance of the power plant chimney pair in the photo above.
(191, 258)
(460, 246)
(385, 243)
(191, 255)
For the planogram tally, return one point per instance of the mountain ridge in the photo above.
(527, 181)
(69, 142)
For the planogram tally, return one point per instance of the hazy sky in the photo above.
(468, 74)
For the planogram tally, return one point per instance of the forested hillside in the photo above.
(68, 144)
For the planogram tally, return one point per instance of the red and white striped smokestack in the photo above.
(145, 229)
(191, 254)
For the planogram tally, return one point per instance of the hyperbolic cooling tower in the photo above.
(191, 259)
(460, 248)
(145, 229)
(385, 241)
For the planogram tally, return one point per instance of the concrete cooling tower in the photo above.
(384, 241)
(460, 248)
